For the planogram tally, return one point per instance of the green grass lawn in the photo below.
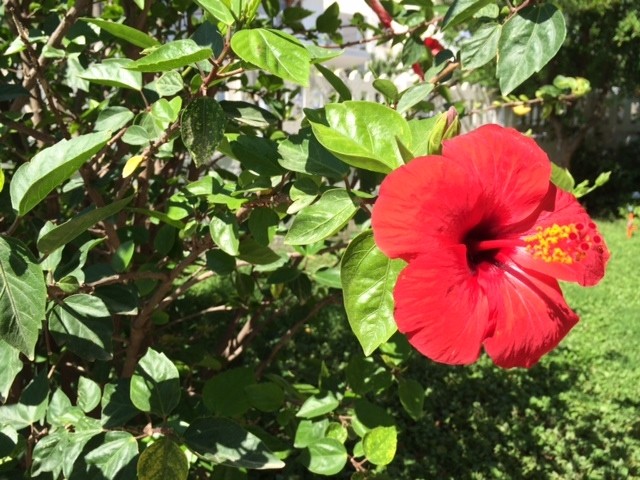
(576, 415)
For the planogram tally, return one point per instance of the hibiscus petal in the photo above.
(513, 170)
(428, 197)
(529, 314)
(587, 253)
(441, 308)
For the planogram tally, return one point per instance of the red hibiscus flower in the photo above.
(486, 237)
(434, 45)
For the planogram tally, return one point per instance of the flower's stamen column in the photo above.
(563, 243)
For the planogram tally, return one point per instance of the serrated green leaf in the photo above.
(462, 10)
(411, 395)
(322, 219)
(124, 32)
(155, 384)
(527, 43)
(163, 460)
(118, 449)
(223, 441)
(482, 47)
(64, 233)
(318, 405)
(362, 134)
(324, 457)
(89, 394)
(169, 84)
(275, 52)
(113, 72)
(368, 278)
(172, 55)
(23, 296)
(380, 445)
(202, 128)
(83, 323)
(34, 180)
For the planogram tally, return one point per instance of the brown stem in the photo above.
(142, 322)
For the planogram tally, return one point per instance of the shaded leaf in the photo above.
(163, 460)
(118, 449)
(223, 441)
(155, 385)
(23, 296)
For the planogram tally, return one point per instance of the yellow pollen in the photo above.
(562, 243)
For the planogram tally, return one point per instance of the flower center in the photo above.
(562, 243)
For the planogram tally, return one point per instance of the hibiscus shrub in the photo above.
(170, 226)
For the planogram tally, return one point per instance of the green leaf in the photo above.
(322, 219)
(275, 52)
(118, 449)
(89, 394)
(83, 323)
(218, 9)
(225, 234)
(169, 84)
(113, 72)
(226, 393)
(482, 47)
(202, 128)
(309, 432)
(368, 278)
(362, 134)
(63, 234)
(23, 296)
(367, 416)
(527, 43)
(387, 88)
(315, 406)
(421, 135)
(461, 11)
(411, 395)
(324, 457)
(263, 223)
(122, 256)
(163, 460)
(12, 365)
(58, 451)
(562, 178)
(32, 406)
(124, 32)
(155, 385)
(413, 96)
(116, 404)
(246, 113)
(172, 55)
(258, 154)
(223, 441)
(33, 181)
(266, 397)
(380, 445)
(329, 21)
(112, 119)
(335, 81)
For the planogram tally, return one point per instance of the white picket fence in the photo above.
(619, 118)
